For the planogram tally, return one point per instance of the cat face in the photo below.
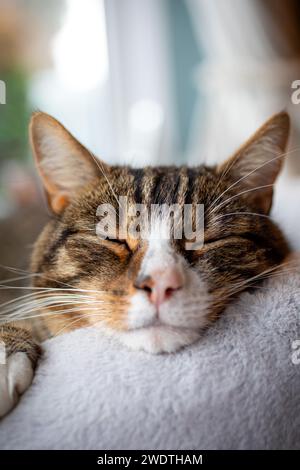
(151, 291)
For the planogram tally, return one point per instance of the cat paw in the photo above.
(19, 354)
(15, 377)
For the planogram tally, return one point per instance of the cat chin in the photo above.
(157, 339)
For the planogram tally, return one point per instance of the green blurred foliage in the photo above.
(14, 117)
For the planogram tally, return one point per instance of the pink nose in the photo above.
(161, 285)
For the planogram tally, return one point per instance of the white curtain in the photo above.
(243, 78)
(140, 81)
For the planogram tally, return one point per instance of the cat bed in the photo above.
(237, 388)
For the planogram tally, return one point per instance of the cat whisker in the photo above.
(285, 154)
(42, 275)
(243, 213)
(43, 301)
(50, 289)
(69, 324)
(19, 278)
(29, 307)
(237, 195)
(247, 283)
(47, 300)
(222, 176)
(99, 165)
(31, 316)
(35, 295)
(72, 322)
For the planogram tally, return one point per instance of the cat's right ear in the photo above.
(254, 168)
(65, 166)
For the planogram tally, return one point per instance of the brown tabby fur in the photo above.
(241, 241)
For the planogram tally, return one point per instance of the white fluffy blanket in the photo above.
(237, 388)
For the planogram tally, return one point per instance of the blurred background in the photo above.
(139, 82)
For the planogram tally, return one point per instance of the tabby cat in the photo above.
(150, 293)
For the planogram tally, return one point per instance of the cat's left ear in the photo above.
(64, 164)
(254, 168)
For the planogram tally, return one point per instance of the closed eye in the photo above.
(112, 240)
